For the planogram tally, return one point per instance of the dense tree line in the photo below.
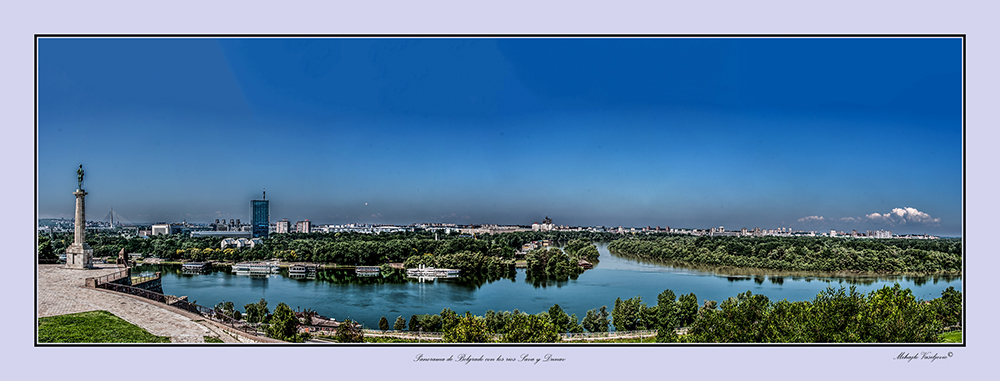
(884, 256)
(340, 248)
(886, 315)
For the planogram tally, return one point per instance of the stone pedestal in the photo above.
(79, 255)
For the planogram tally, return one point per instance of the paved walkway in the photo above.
(61, 291)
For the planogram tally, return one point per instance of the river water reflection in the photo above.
(340, 294)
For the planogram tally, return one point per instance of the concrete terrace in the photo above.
(61, 291)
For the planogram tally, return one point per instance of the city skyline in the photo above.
(808, 133)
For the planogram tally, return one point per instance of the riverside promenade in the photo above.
(61, 291)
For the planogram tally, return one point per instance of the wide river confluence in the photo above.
(367, 300)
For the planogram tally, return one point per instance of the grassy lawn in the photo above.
(93, 327)
(951, 337)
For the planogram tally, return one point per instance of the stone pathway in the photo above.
(61, 291)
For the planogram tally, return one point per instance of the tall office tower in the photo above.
(258, 218)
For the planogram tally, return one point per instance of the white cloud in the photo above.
(903, 216)
(897, 216)
(812, 219)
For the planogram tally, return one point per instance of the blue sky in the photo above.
(808, 133)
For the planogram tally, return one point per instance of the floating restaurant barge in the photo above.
(424, 272)
(366, 270)
(256, 268)
(196, 266)
(300, 271)
(299, 268)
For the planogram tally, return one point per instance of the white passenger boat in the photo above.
(256, 267)
(423, 271)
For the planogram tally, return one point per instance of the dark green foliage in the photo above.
(894, 315)
(589, 253)
(742, 319)
(400, 324)
(46, 254)
(886, 315)
(228, 309)
(574, 245)
(948, 307)
(524, 328)
(349, 332)
(383, 324)
(92, 327)
(560, 320)
(834, 316)
(687, 309)
(497, 321)
(596, 321)
(574, 325)
(414, 323)
(551, 263)
(802, 253)
(467, 329)
(283, 325)
(431, 323)
(630, 314)
(448, 319)
(256, 312)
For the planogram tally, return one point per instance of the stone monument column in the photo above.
(79, 255)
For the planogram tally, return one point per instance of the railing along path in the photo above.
(105, 282)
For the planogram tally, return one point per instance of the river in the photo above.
(340, 294)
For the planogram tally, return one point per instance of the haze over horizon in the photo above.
(808, 133)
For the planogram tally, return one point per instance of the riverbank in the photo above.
(840, 257)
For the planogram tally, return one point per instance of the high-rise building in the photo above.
(303, 227)
(283, 226)
(259, 218)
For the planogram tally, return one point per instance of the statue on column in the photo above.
(79, 177)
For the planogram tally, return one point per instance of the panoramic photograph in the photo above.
(634, 191)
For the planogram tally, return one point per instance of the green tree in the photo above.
(893, 315)
(467, 329)
(948, 307)
(687, 309)
(574, 324)
(835, 316)
(627, 314)
(742, 319)
(400, 324)
(349, 332)
(414, 324)
(383, 324)
(284, 324)
(596, 320)
(45, 251)
(666, 307)
(524, 328)
(256, 312)
(448, 319)
(560, 320)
